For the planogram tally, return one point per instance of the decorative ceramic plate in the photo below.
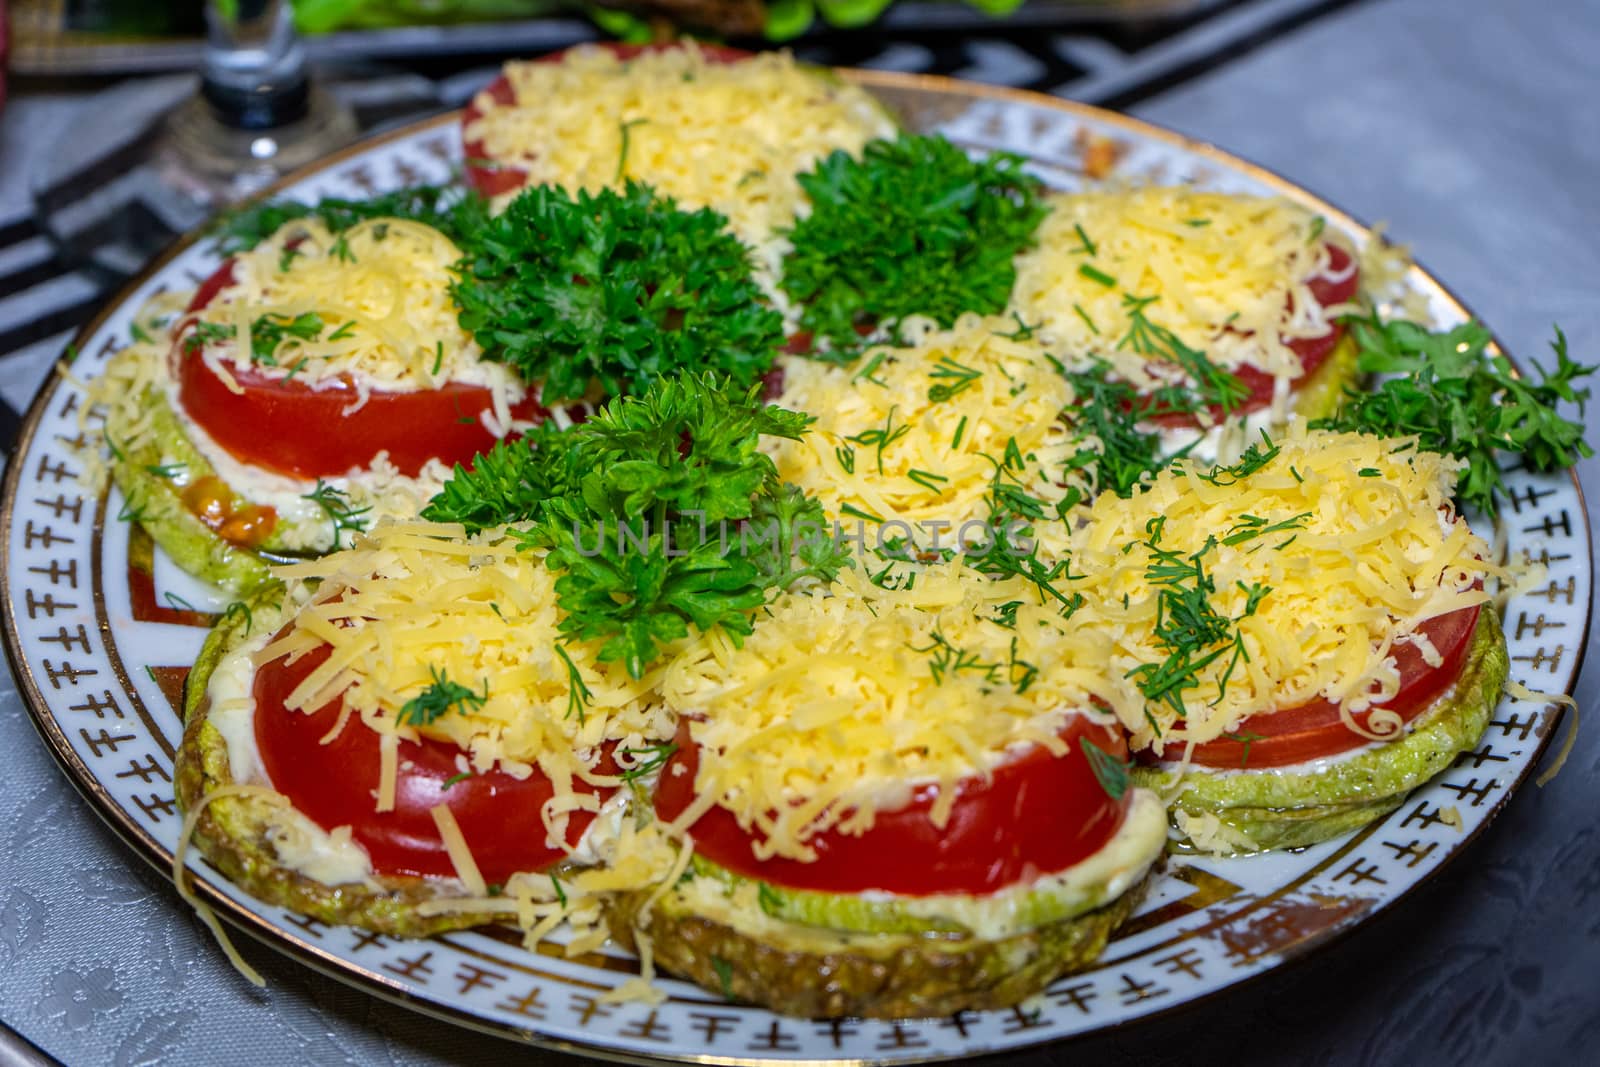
(101, 629)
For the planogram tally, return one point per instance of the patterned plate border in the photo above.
(1208, 926)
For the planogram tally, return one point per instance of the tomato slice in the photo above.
(291, 427)
(1315, 730)
(1036, 814)
(336, 785)
(1328, 289)
(493, 179)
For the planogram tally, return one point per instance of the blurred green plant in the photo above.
(784, 19)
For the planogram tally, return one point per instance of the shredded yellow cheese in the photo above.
(180, 871)
(844, 699)
(916, 437)
(1228, 273)
(728, 136)
(1363, 547)
(455, 844)
(1520, 691)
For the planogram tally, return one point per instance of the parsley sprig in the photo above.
(914, 226)
(448, 209)
(615, 288)
(1461, 400)
(659, 512)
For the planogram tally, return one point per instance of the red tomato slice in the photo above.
(290, 427)
(336, 785)
(1313, 351)
(1313, 731)
(1037, 814)
(491, 178)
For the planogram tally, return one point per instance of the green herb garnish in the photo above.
(578, 695)
(947, 661)
(951, 379)
(335, 504)
(1215, 385)
(615, 289)
(1188, 626)
(1114, 451)
(449, 209)
(1110, 772)
(1461, 400)
(1094, 274)
(271, 330)
(879, 439)
(441, 697)
(623, 130)
(660, 512)
(1085, 244)
(913, 226)
(655, 758)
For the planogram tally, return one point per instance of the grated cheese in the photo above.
(1229, 273)
(180, 871)
(460, 854)
(1365, 561)
(836, 706)
(728, 136)
(945, 454)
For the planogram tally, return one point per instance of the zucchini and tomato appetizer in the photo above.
(902, 802)
(1205, 307)
(1309, 628)
(316, 381)
(401, 736)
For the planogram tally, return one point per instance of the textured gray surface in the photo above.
(1470, 124)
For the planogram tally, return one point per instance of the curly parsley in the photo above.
(660, 512)
(914, 226)
(615, 288)
(1461, 400)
